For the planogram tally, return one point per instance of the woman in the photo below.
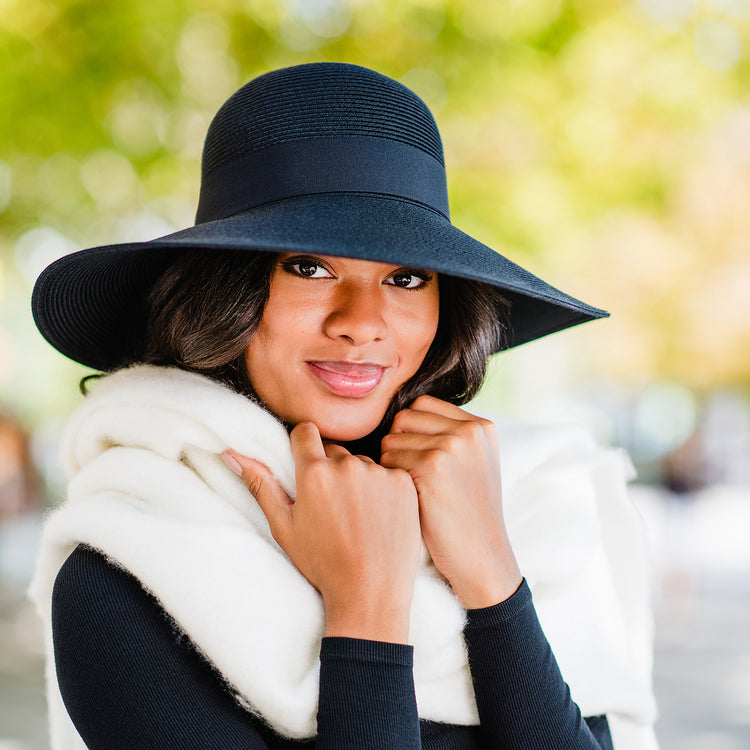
(311, 340)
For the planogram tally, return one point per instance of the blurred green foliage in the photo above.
(603, 143)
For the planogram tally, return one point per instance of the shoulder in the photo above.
(88, 574)
(94, 601)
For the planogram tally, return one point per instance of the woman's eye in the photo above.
(308, 268)
(407, 280)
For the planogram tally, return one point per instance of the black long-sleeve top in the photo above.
(130, 679)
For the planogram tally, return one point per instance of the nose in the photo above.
(357, 313)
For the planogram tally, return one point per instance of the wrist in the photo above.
(487, 586)
(370, 618)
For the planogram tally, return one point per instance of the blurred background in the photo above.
(603, 144)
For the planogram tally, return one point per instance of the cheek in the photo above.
(277, 346)
(288, 318)
(416, 338)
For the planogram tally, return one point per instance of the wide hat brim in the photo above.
(90, 305)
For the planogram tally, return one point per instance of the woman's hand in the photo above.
(353, 532)
(453, 459)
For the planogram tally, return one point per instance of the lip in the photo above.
(350, 379)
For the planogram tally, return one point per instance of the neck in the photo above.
(369, 445)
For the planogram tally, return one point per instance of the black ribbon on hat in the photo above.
(323, 165)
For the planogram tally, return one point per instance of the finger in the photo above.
(306, 443)
(408, 460)
(365, 459)
(423, 422)
(269, 494)
(434, 405)
(334, 450)
(414, 441)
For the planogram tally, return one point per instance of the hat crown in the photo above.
(318, 100)
(321, 128)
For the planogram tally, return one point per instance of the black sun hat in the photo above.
(325, 158)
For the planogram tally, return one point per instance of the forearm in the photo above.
(367, 699)
(522, 698)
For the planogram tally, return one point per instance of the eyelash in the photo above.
(291, 266)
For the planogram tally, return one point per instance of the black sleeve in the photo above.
(127, 678)
(521, 696)
(130, 680)
(367, 698)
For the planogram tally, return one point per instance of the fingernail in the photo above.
(232, 463)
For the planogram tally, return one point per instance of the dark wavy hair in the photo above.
(204, 309)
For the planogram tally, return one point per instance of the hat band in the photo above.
(323, 165)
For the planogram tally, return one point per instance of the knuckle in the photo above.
(472, 430)
(387, 441)
(401, 479)
(381, 473)
(436, 458)
(404, 477)
(316, 469)
(254, 485)
(399, 419)
(350, 464)
(386, 457)
(470, 427)
(451, 444)
(488, 426)
(353, 469)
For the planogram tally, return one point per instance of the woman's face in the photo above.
(338, 338)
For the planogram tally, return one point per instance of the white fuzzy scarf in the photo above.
(149, 489)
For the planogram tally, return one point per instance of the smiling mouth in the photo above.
(347, 378)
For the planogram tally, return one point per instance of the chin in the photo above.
(343, 434)
(347, 428)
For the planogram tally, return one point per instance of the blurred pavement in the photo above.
(701, 546)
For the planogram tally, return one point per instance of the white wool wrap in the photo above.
(148, 488)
